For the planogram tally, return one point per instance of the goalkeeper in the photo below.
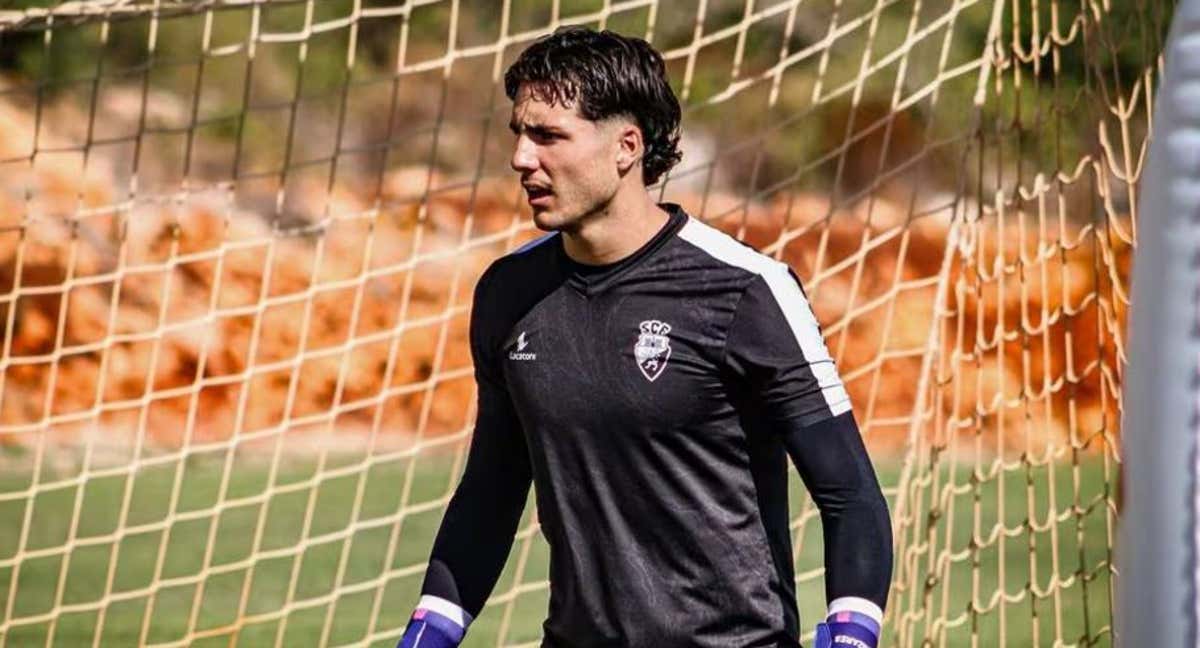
(650, 376)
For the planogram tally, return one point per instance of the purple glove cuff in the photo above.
(847, 630)
(428, 629)
(855, 618)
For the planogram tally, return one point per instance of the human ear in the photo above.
(630, 146)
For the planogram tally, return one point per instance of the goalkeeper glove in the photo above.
(436, 623)
(847, 629)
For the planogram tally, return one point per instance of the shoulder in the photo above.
(513, 284)
(724, 250)
(768, 286)
(524, 266)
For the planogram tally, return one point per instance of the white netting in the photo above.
(238, 241)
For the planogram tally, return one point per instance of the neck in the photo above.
(625, 224)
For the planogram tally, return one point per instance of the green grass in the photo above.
(310, 571)
(999, 534)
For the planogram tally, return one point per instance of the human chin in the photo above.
(548, 219)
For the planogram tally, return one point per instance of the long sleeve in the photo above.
(834, 465)
(481, 520)
(775, 350)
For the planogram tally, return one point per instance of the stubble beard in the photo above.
(573, 221)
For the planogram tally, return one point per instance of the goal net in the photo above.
(238, 241)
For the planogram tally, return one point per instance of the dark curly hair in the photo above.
(605, 74)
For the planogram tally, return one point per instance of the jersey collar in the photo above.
(593, 279)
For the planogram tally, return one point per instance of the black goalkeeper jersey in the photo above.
(640, 397)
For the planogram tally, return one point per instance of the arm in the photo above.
(481, 519)
(775, 348)
(834, 465)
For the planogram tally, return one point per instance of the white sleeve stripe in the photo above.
(789, 297)
(804, 326)
(856, 604)
(837, 399)
(445, 608)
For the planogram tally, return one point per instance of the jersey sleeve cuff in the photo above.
(446, 609)
(856, 604)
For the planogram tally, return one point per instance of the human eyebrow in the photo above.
(537, 130)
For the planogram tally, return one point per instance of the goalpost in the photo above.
(1158, 544)
(238, 241)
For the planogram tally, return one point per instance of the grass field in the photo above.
(301, 566)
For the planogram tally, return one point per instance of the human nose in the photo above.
(524, 157)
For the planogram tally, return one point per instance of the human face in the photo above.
(568, 164)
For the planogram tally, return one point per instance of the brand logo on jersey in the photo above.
(653, 348)
(520, 353)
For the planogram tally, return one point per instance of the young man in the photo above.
(649, 375)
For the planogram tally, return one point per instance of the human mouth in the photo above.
(538, 195)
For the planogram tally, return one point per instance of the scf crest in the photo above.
(653, 348)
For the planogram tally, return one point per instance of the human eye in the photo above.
(544, 135)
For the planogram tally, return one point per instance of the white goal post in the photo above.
(1159, 541)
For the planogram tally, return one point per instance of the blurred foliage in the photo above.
(815, 119)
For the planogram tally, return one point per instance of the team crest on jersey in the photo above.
(653, 348)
